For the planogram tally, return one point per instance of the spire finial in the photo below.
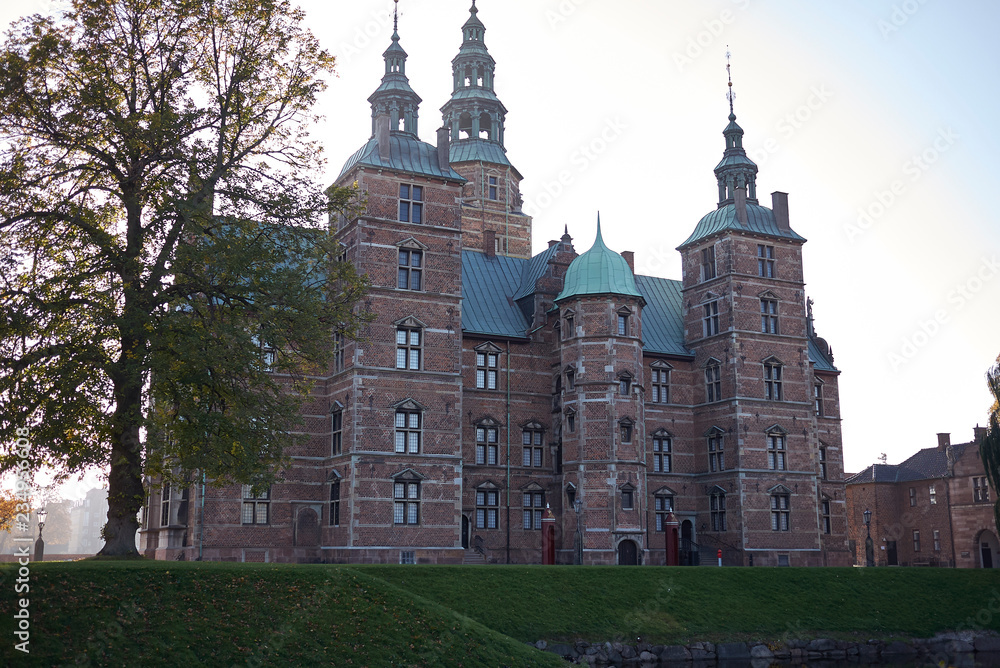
(730, 95)
(395, 20)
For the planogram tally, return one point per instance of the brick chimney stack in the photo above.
(979, 433)
(779, 204)
(630, 259)
(490, 243)
(944, 440)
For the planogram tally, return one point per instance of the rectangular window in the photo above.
(411, 268)
(406, 496)
(661, 454)
(769, 316)
(713, 383)
(776, 452)
(980, 490)
(532, 453)
(336, 433)
(411, 208)
(335, 503)
(822, 463)
(407, 557)
(916, 540)
(487, 509)
(622, 325)
(408, 348)
(913, 497)
(708, 263)
(408, 432)
(624, 385)
(571, 422)
(772, 382)
(818, 395)
(256, 506)
(486, 370)
(937, 540)
(493, 188)
(932, 492)
(626, 432)
(570, 380)
(486, 445)
(779, 512)
(533, 503)
(569, 331)
(826, 517)
(627, 499)
(716, 456)
(664, 505)
(660, 386)
(164, 506)
(717, 506)
(710, 319)
(338, 352)
(765, 261)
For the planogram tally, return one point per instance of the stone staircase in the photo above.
(474, 558)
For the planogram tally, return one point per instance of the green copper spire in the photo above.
(735, 170)
(599, 271)
(395, 98)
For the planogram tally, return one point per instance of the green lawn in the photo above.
(157, 613)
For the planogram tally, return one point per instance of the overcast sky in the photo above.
(872, 114)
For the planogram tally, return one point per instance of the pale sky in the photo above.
(875, 106)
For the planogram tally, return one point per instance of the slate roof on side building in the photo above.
(926, 464)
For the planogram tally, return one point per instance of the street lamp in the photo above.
(869, 546)
(40, 544)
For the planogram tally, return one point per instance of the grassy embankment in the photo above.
(142, 613)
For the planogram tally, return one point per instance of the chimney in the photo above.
(779, 204)
(490, 243)
(444, 149)
(552, 242)
(944, 440)
(740, 195)
(630, 258)
(979, 433)
(382, 135)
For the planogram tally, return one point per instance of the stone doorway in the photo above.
(989, 549)
(628, 553)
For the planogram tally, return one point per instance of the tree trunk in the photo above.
(125, 492)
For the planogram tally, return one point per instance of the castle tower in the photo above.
(394, 399)
(767, 467)
(474, 119)
(603, 438)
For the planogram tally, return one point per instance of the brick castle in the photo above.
(495, 384)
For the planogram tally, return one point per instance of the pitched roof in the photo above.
(926, 464)
(406, 154)
(488, 286)
(760, 220)
(480, 150)
(662, 322)
(491, 286)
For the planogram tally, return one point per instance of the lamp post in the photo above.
(869, 546)
(40, 544)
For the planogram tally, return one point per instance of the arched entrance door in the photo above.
(628, 553)
(465, 532)
(989, 550)
(307, 528)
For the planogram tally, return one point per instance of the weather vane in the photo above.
(729, 72)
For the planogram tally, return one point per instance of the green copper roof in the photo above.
(760, 220)
(599, 271)
(406, 154)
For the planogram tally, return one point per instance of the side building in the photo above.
(934, 509)
(494, 383)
